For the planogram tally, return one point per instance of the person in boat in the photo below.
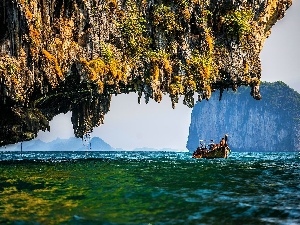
(222, 142)
(201, 150)
(211, 145)
(198, 150)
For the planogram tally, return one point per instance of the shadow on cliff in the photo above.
(82, 99)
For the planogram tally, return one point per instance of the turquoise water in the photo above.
(148, 188)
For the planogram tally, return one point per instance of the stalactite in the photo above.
(54, 52)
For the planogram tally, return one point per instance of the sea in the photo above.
(152, 187)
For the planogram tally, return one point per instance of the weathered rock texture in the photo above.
(63, 55)
(272, 124)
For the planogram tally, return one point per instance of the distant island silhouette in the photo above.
(74, 144)
(71, 144)
(272, 124)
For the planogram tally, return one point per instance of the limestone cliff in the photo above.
(62, 55)
(272, 124)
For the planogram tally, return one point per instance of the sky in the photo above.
(130, 125)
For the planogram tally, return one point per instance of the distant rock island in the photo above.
(71, 144)
(272, 124)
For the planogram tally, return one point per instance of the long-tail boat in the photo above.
(221, 150)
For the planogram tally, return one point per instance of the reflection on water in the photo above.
(148, 188)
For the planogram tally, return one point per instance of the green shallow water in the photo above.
(148, 188)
